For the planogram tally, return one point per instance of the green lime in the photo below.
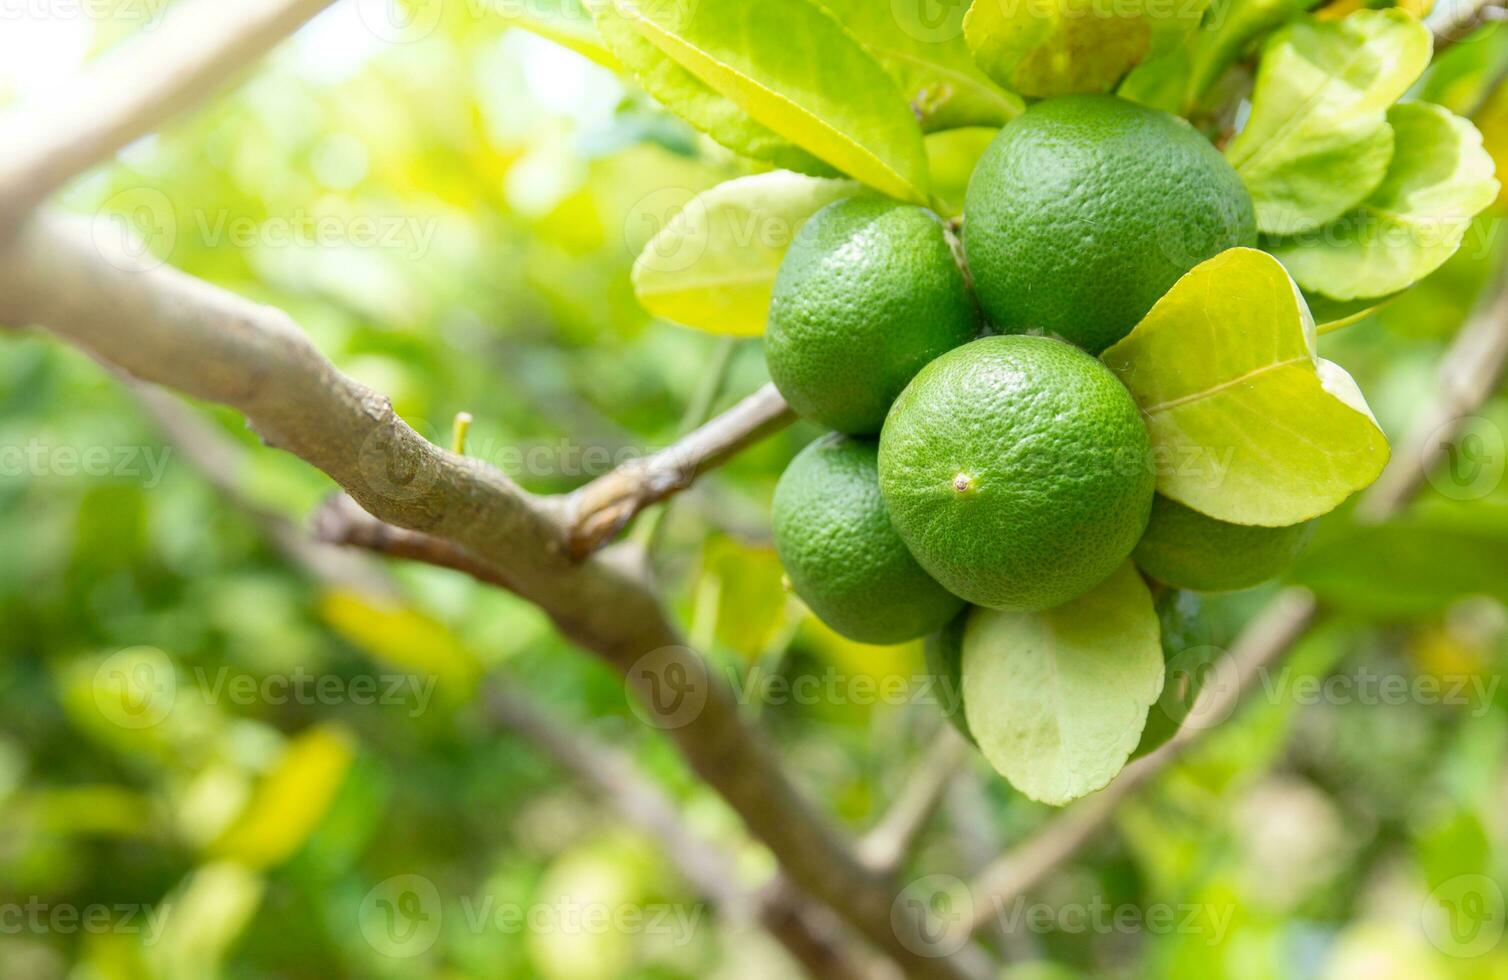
(843, 557)
(868, 293)
(1189, 655)
(1087, 208)
(943, 656)
(1187, 550)
(1018, 471)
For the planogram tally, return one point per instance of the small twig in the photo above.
(886, 846)
(340, 521)
(599, 510)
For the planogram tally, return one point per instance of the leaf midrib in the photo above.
(1295, 120)
(1225, 385)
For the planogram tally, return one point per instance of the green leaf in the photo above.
(1318, 142)
(1406, 569)
(1179, 82)
(697, 102)
(1051, 47)
(1247, 424)
(1057, 700)
(1440, 177)
(920, 43)
(713, 265)
(794, 69)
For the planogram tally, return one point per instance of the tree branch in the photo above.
(168, 328)
(201, 45)
(599, 510)
(1470, 371)
(810, 933)
(160, 325)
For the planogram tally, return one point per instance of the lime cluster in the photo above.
(982, 454)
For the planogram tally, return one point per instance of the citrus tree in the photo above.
(1048, 281)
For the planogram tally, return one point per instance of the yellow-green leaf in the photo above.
(1318, 142)
(795, 70)
(290, 800)
(1438, 180)
(1248, 425)
(694, 100)
(1057, 700)
(713, 265)
(1052, 47)
(404, 636)
(1179, 82)
(198, 922)
(920, 42)
(565, 24)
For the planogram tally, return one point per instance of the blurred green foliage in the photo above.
(233, 763)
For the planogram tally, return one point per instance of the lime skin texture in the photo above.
(1018, 471)
(1086, 209)
(868, 293)
(1189, 550)
(842, 555)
